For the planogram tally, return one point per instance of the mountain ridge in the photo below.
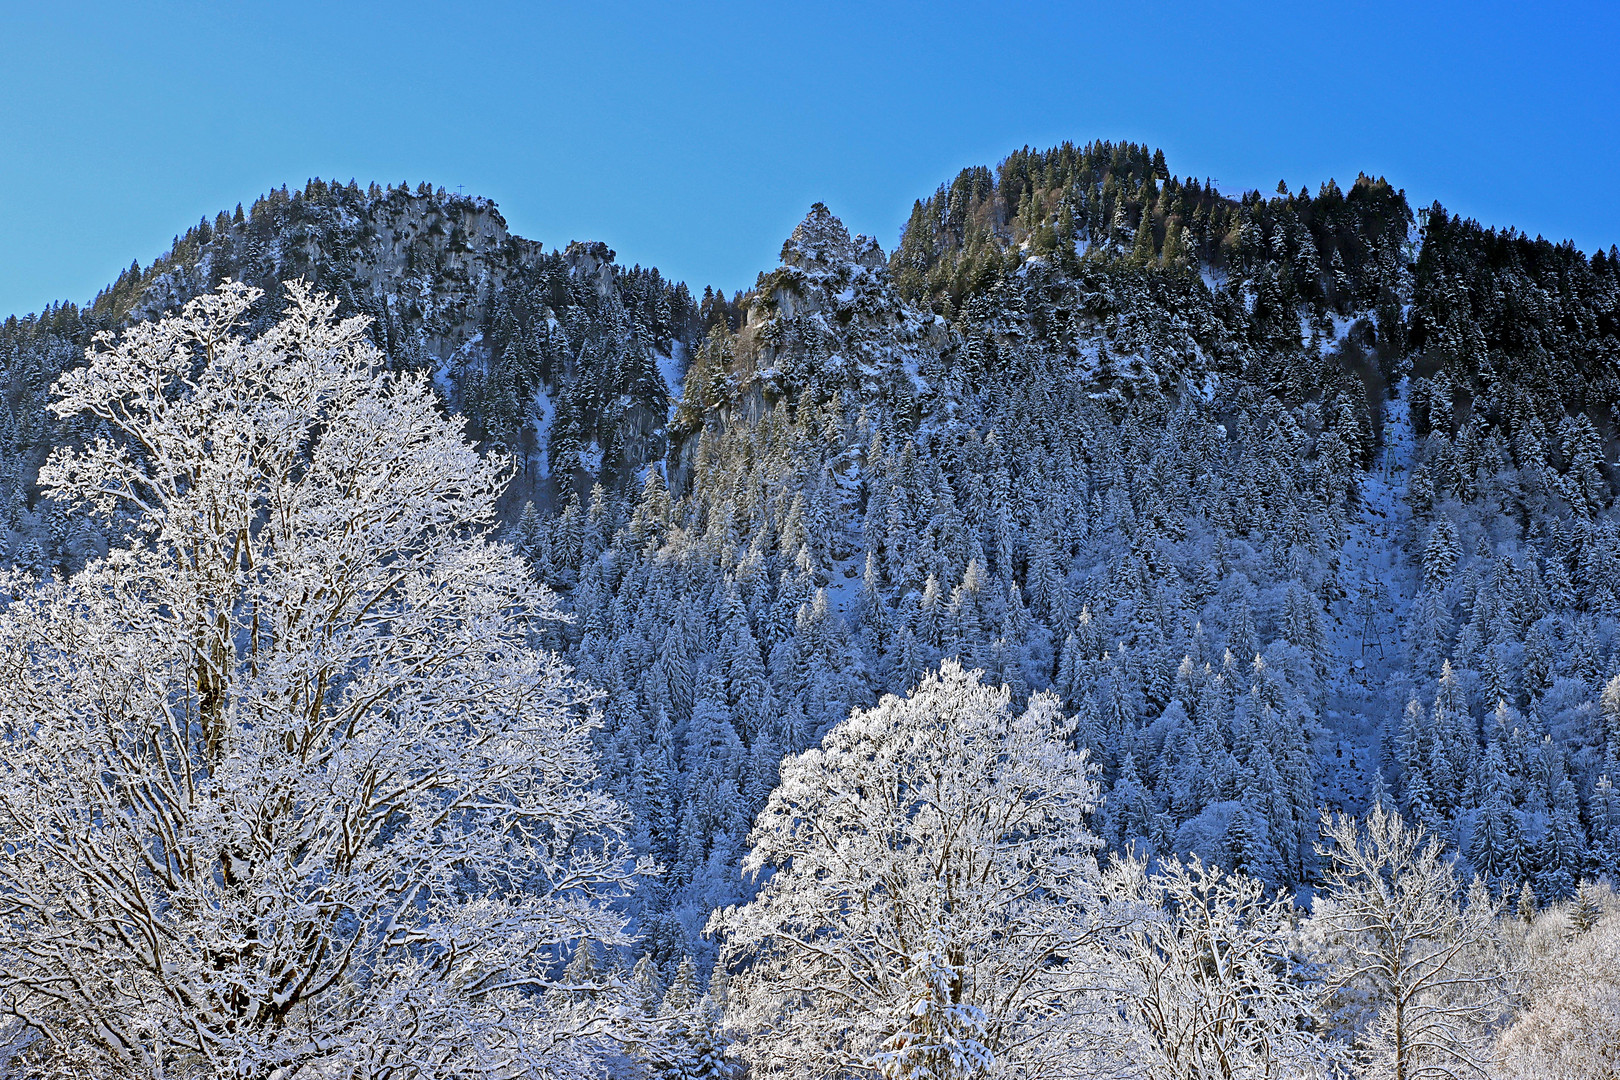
(1296, 502)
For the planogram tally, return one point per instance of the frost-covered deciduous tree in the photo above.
(940, 829)
(1411, 966)
(1207, 973)
(1570, 1026)
(287, 790)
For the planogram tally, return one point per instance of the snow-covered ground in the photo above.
(672, 368)
(544, 413)
(1364, 631)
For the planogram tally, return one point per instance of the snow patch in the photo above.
(672, 369)
(544, 413)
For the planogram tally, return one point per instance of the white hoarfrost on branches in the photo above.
(288, 790)
(1414, 971)
(928, 895)
(1209, 989)
(1570, 1024)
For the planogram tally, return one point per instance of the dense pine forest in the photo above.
(1287, 522)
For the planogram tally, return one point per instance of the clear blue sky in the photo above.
(694, 138)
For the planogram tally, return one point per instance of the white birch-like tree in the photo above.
(932, 852)
(288, 791)
(1412, 969)
(1209, 990)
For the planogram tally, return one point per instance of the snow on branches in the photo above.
(1209, 983)
(940, 830)
(1413, 969)
(287, 786)
(1569, 1026)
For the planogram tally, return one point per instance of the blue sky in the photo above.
(693, 138)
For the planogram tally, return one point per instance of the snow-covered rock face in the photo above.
(826, 326)
(422, 265)
(829, 320)
(822, 242)
(824, 268)
(548, 354)
(595, 263)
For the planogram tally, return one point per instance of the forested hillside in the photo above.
(1296, 503)
(556, 357)
(1291, 501)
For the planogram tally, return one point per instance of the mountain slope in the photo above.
(554, 357)
(1296, 502)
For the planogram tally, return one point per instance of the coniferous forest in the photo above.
(1122, 631)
